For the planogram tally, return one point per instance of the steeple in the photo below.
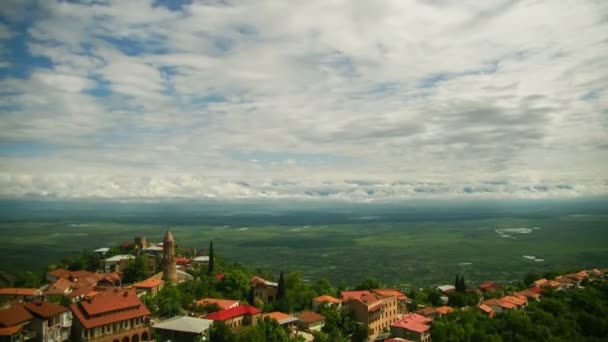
(169, 266)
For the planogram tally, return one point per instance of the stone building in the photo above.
(169, 264)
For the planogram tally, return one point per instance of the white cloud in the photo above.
(450, 92)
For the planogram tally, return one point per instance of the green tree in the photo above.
(211, 265)
(368, 283)
(360, 333)
(168, 301)
(136, 270)
(530, 278)
(220, 332)
(281, 287)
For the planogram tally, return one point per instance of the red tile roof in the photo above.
(486, 286)
(427, 311)
(11, 291)
(222, 303)
(280, 317)
(236, 311)
(418, 318)
(60, 286)
(309, 317)
(148, 283)
(411, 324)
(444, 310)
(327, 299)
(486, 309)
(389, 292)
(219, 276)
(346, 295)
(104, 308)
(44, 309)
(14, 315)
(60, 273)
(10, 331)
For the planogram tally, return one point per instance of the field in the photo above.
(397, 251)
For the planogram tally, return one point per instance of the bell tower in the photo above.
(169, 266)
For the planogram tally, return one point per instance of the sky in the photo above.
(308, 100)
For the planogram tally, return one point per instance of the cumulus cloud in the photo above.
(412, 98)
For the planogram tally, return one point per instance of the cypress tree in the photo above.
(281, 287)
(463, 285)
(457, 283)
(211, 258)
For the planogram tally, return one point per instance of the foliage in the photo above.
(460, 299)
(235, 285)
(530, 278)
(281, 287)
(211, 265)
(168, 301)
(220, 332)
(136, 270)
(368, 283)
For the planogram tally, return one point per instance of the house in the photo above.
(429, 312)
(487, 310)
(264, 289)
(112, 315)
(102, 251)
(151, 286)
(15, 324)
(346, 295)
(489, 288)
(444, 310)
(499, 305)
(520, 302)
(223, 304)
(283, 319)
(310, 321)
(180, 261)
(374, 311)
(117, 262)
(199, 261)
(540, 282)
(413, 327)
(236, 316)
(184, 329)
(446, 289)
(402, 299)
(61, 286)
(55, 274)
(326, 300)
(51, 322)
(19, 294)
(529, 294)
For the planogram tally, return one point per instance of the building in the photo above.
(375, 311)
(402, 299)
(223, 304)
(61, 286)
(51, 322)
(169, 265)
(200, 261)
(264, 289)
(151, 286)
(326, 300)
(444, 310)
(310, 321)
(446, 289)
(413, 327)
(429, 312)
(283, 319)
(117, 263)
(236, 316)
(111, 316)
(184, 329)
(19, 294)
(487, 310)
(15, 324)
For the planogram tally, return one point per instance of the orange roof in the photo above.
(222, 303)
(418, 318)
(14, 315)
(540, 282)
(554, 283)
(516, 300)
(426, 311)
(310, 317)
(13, 291)
(327, 299)
(280, 317)
(109, 307)
(486, 309)
(411, 324)
(346, 295)
(500, 302)
(60, 286)
(444, 310)
(45, 309)
(10, 331)
(148, 283)
(389, 292)
(60, 273)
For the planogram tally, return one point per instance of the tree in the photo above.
(281, 287)
(530, 278)
(220, 332)
(135, 270)
(463, 285)
(211, 265)
(168, 301)
(457, 283)
(368, 283)
(361, 333)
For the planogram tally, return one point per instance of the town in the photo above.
(142, 291)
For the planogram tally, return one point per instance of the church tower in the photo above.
(169, 267)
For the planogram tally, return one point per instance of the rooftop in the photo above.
(389, 292)
(222, 303)
(444, 310)
(236, 311)
(115, 305)
(44, 309)
(327, 299)
(310, 317)
(117, 258)
(411, 324)
(346, 295)
(102, 250)
(14, 315)
(257, 280)
(148, 283)
(185, 324)
(280, 317)
(12, 291)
